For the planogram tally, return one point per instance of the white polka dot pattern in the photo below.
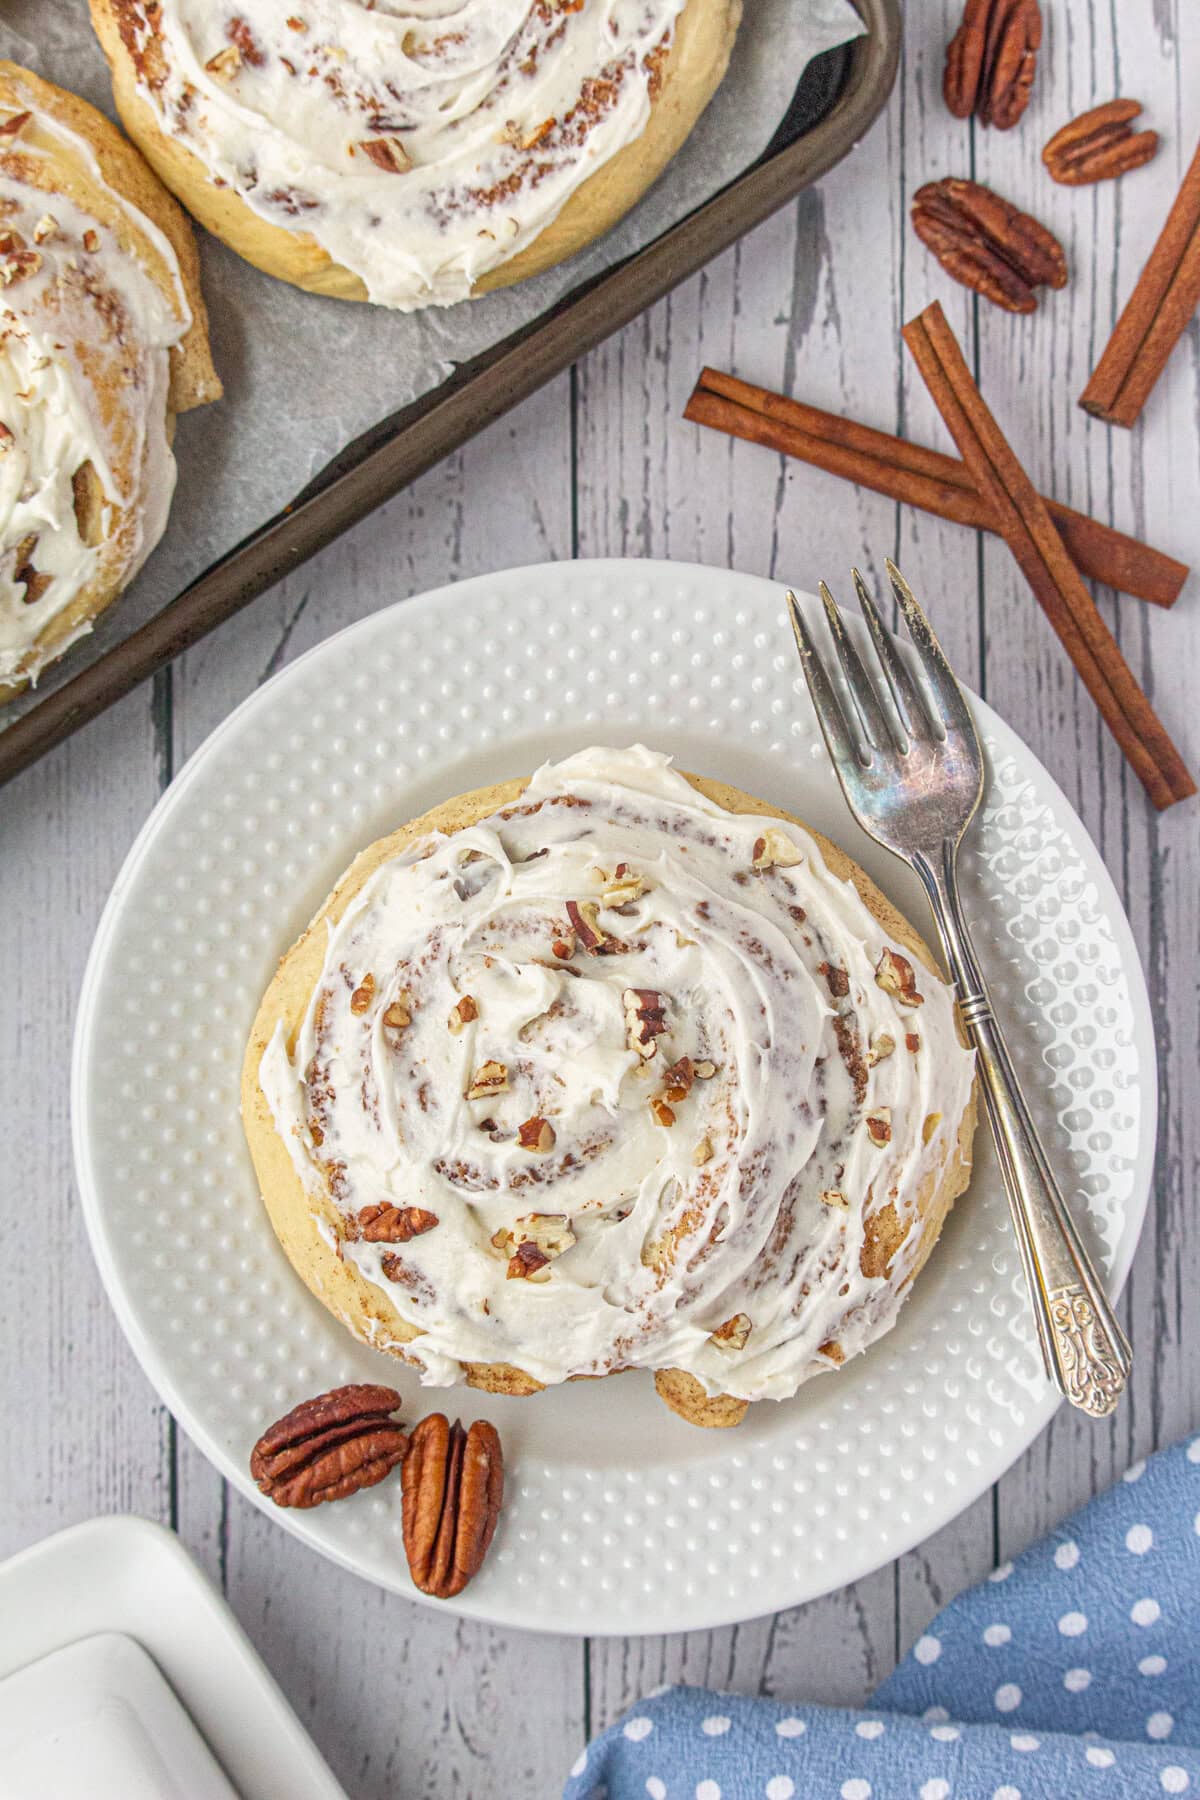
(438, 695)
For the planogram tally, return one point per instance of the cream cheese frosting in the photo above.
(420, 142)
(77, 311)
(736, 1074)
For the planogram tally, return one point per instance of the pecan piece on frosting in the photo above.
(589, 934)
(987, 244)
(463, 1012)
(225, 64)
(879, 1126)
(387, 153)
(363, 995)
(533, 1241)
(1099, 145)
(536, 1134)
(895, 975)
(327, 1448)
(645, 1019)
(775, 850)
(453, 1487)
(991, 61)
(734, 1334)
(678, 1079)
(398, 1016)
(490, 1078)
(883, 1045)
(393, 1224)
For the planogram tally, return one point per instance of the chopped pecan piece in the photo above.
(663, 1114)
(363, 995)
(329, 1447)
(895, 975)
(490, 1078)
(932, 1121)
(703, 1152)
(564, 948)
(398, 1016)
(226, 63)
(645, 1019)
(733, 1334)
(677, 1082)
(879, 1126)
(775, 850)
(536, 1134)
(834, 1197)
(912, 1042)
(882, 1046)
(704, 1071)
(991, 61)
(453, 1487)
(1099, 145)
(584, 917)
(988, 245)
(393, 1224)
(463, 1012)
(624, 889)
(387, 153)
(532, 1241)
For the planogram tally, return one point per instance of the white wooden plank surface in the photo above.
(401, 1701)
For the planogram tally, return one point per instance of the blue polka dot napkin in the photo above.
(1070, 1674)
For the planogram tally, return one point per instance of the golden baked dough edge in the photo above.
(691, 74)
(193, 379)
(364, 1308)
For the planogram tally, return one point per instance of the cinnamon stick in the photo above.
(1156, 314)
(910, 473)
(1028, 530)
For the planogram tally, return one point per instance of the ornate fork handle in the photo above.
(1084, 1349)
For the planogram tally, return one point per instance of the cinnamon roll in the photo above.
(412, 152)
(614, 1069)
(103, 339)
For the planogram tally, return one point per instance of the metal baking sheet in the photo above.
(839, 95)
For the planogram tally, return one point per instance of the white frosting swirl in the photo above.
(484, 116)
(78, 314)
(768, 974)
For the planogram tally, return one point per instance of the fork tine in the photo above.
(839, 740)
(909, 702)
(877, 729)
(955, 713)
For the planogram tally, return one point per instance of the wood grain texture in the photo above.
(401, 1700)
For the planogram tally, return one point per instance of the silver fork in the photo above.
(912, 774)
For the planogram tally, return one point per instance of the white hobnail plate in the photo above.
(618, 1517)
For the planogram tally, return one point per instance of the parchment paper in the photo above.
(304, 376)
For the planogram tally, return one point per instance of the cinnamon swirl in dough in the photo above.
(615, 1069)
(412, 152)
(102, 341)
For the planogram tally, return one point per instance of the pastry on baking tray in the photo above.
(617, 1068)
(412, 155)
(103, 339)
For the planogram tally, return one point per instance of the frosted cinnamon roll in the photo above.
(616, 1069)
(102, 341)
(412, 152)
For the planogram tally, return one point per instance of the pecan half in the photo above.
(987, 244)
(329, 1447)
(1099, 145)
(991, 61)
(453, 1485)
(393, 1224)
(589, 934)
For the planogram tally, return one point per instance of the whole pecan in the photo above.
(453, 1483)
(1099, 145)
(991, 61)
(329, 1447)
(987, 244)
